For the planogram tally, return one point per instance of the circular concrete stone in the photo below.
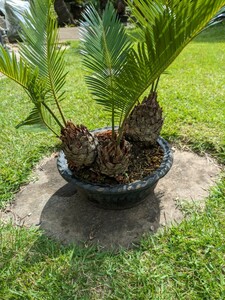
(56, 207)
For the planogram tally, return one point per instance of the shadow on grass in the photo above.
(72, 219)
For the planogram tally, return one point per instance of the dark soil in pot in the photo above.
(144, 161)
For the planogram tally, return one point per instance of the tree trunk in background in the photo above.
(103, 4)
(64, 16)
(120, 7)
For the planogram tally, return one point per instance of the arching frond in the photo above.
(16, 69)
(105, 47)
(122, 73)
(166, 26)
(40, 68)
(41, 50)
(39, 118)
(20, 72)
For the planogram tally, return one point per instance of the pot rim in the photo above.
(147, 181)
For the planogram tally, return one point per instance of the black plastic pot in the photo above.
(119, 196)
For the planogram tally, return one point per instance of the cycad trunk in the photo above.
(79, 146)
(145, 121)
(64, 16)
(113, 159)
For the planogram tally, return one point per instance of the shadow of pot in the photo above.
(119, 196)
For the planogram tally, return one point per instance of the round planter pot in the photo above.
(119, 196)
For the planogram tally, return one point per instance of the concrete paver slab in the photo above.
(56, 207)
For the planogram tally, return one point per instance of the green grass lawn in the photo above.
(186, 261)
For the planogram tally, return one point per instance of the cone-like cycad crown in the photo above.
(79, 145)
(145, 121)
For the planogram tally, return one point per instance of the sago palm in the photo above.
(121, 70)
(40, 71)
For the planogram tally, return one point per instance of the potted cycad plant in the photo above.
(121, 70)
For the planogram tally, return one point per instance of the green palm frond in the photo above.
(175, 24)
(40, 49)
(33, 119)
(123, 72)
(39, 118)
(167, 27)
(105, 47)
(19, 71)
(40, 70)
(15, 68)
